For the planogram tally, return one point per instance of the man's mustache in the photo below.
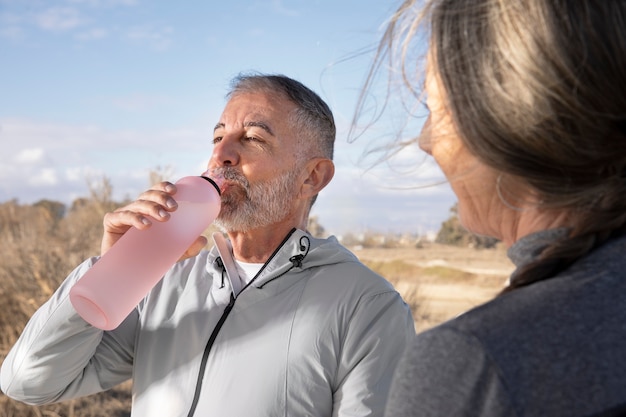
(232, 175)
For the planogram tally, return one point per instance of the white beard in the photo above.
(248, 206)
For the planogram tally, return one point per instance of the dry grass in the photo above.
(439, 282)
(40, 248)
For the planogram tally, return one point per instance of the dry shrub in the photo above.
(40, 247)
(113, 403)
(445, 274)
(394, 270)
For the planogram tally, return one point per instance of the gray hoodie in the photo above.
(315, 333)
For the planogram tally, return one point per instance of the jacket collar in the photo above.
(288, 255)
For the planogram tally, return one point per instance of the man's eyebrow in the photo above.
(261, 125)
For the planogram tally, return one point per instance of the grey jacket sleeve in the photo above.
(60, 356)
(379, 332)
(447, 373)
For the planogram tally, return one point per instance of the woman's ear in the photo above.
(319, 172)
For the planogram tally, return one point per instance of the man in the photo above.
(270, 322)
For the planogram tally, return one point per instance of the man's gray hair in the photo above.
(313, 116)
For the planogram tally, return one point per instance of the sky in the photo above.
(93, 89)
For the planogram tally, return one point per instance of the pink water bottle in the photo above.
(124, 275)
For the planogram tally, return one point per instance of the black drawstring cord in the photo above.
(305, 244)
(296, 260)
(220, 264)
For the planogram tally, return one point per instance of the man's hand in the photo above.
(155, 204)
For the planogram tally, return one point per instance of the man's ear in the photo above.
(319, 172)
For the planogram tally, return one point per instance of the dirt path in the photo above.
(481, 274)
(479, 261)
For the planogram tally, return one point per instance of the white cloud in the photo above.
(157, 38)
(85, 20)
(29, 155)
(358, 200)
(60, 19)
(20, 134)
(44, 178)
(55, 161)
(75, 174)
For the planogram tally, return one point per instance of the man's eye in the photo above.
(217, 139)
(251, 139)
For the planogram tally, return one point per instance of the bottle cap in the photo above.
(215, 178)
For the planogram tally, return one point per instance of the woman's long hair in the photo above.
(536, 90)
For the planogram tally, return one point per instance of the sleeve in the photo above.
(378, 333)
(60, 356)
(446, 372)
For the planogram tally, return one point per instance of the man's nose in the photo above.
(225, 153)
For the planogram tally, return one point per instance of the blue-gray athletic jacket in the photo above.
(553, 348)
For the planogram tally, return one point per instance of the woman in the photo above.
(527, 102)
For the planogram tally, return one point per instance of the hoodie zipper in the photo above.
(205, 355)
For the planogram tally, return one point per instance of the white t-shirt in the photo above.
(247, 271)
